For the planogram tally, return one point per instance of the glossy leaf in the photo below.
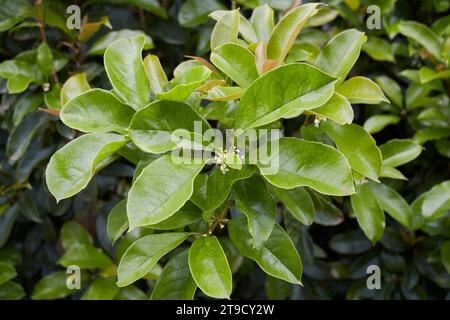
(358, 146)
(304, 87)
(287, 29)
(225, 30)
(338, 109)
(236, 62)
(392, 89)
(378, 122)
(155, 73)
(210, 191)
(362, 90)
(100, 45)
(262, 22)
(96, 110)
(368, 212)
(74, 235)
(312, 164)
(297, 202)
(52, 286)
(73, 87)
(209, 267)
(175, 281)
(341, 53)
(392, 202)
(117, 221)
(71, 168)
(195, 12)
(101, 289)
(86, 257)
(144, 253)
(254, 200)
(151, 128)
(277, 256)
(126, 72)
(423, 35)
(160, 190)
(397, 152)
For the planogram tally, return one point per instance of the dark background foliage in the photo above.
(334, 251)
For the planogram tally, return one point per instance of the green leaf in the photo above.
(96, 110)
(277, 256)
(7, 220)
(431, 133)
(175, 281)
(74, 235)
(236, 62)
(209, 267)
(11, 291)
(51, 287)
(378, 122)
(392, 89)
(286, 90)
(74, 86)
(298, 202)
(117, 221)
(100, 45)
(338, 109)
(341, 53)
(423, 35)
(262, 22)
(397, 152)
(245, 28)
(350, 242)
(392, 202)
(188, 214)
(225, 30)
(101, 289)
(445, 255)
(86, 257)
(126, 72)
(7, 272)
(312, 164)
(255, 201)
(368, 213)
(195, 12)
(71, 168)
(160, 190)
(392, 173)
(26, 105)
(151, 128)
(21, 136)
(183, 85)
(131, 293)
(44, 59)
(358, 146)
(287, 30)
(379, 49)
(436, 201)
(210, 191)
(362, 90)
(155, 73)
(52, 98)
(144, 253)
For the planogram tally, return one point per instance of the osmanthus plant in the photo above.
(249, 85)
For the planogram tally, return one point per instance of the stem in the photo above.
(219, 219)
(41, 26)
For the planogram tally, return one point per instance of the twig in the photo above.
(41, 26)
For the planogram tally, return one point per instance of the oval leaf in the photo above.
(71, 168)
(209, 267)
(144, 253)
